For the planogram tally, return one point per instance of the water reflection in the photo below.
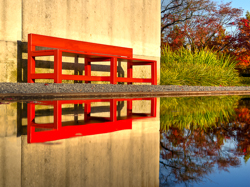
(89, 125)
(115, 142)
(202, 135)
(102, 142)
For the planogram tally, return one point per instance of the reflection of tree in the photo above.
(239, 129)
(189, 153)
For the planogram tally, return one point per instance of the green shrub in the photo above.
(245, 81)
(196, 112)
(199, 68)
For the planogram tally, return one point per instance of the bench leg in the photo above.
(30, 118)
(31, 61)
(154, 73)
(153, 106)
(129, 71)
(113, 110)
(31, 68)
(57, 114)
(76, 69)
(58, 66)
(113, 71)
(87, 110)
(87, 67)
(129, 108)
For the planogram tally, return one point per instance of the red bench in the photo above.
(91, 52)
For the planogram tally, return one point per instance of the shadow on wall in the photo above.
(46, 65)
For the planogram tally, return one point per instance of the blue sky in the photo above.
(244, 4)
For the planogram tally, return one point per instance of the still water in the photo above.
(182, 141)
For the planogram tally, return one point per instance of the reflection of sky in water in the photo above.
(235, 177)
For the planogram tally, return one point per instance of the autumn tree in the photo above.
(174, 12)
(239, 42)
(248, 15)
(198, 26)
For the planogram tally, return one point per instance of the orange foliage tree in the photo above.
(239, 43)
(206, 28)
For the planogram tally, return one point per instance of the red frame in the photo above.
(62, 132)
(92, 52)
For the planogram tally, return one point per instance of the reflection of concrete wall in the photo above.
(123, 158)
(10, 147)
(10, 161)
(129, 23)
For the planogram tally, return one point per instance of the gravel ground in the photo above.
(29, 88)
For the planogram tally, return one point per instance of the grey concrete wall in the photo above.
(10, 20)
(126, 23)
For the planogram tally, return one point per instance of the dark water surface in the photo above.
(182, 141)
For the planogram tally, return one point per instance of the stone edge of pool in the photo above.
(91, 95)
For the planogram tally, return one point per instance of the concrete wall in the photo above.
(10, 20)
(126, 23)
(10, 33)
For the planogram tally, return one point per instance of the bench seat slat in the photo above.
(82, 101)
(62, 43)
(43, 53)
(89, 129)
(42, 76)
(141, 63)
(44, 125)
(135, 59)
(125, 79)
(85, 78)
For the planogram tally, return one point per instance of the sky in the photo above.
(244, 4)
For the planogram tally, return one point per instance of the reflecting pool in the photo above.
(101, 142)
(172, 141)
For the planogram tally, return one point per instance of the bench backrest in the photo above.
(74, 45)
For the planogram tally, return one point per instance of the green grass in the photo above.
(196, 112)
(200, 68)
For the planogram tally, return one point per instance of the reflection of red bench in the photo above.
(59, 130)
(91, 52)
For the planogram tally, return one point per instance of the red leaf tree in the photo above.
(240, 42)
(206, 27)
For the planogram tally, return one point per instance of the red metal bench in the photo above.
(91, 52)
